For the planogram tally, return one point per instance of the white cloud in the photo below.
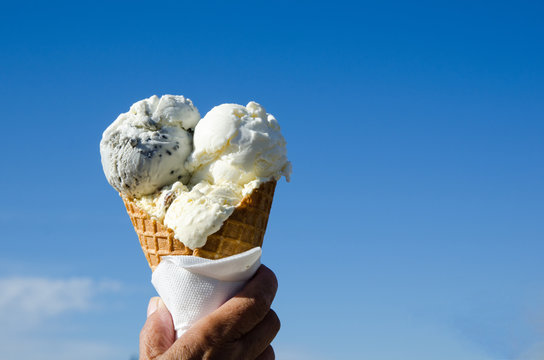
(59, 349)
(40, 297)
(31, 306)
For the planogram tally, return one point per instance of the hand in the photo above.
(242, 328)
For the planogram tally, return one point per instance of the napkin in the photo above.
(192, 287)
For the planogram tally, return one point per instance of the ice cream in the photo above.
(146, 148)
(237, 144)
(191, 174)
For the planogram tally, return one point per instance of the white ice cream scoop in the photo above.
(238, 144)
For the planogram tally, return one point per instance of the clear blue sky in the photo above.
(412, 228)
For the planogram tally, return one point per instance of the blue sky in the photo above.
(412, 228)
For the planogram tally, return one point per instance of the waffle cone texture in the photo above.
(242, 231)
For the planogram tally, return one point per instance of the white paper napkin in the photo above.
(192, 287)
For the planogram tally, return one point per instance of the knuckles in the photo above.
(275, 323)
(256, 308)
(269, 279)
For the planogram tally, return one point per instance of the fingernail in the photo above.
(153, 305)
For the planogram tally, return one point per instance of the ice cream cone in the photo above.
(242, 231)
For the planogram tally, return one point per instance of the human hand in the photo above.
(242, 328)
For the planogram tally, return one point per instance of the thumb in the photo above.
(158, 333)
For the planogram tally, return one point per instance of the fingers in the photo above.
(254, 345)
(268, 354)
(158, 333)
(245, 310)
(242, 328)
(258, 340)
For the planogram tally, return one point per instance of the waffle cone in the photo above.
(242, 231)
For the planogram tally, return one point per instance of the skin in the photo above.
(241, 329)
